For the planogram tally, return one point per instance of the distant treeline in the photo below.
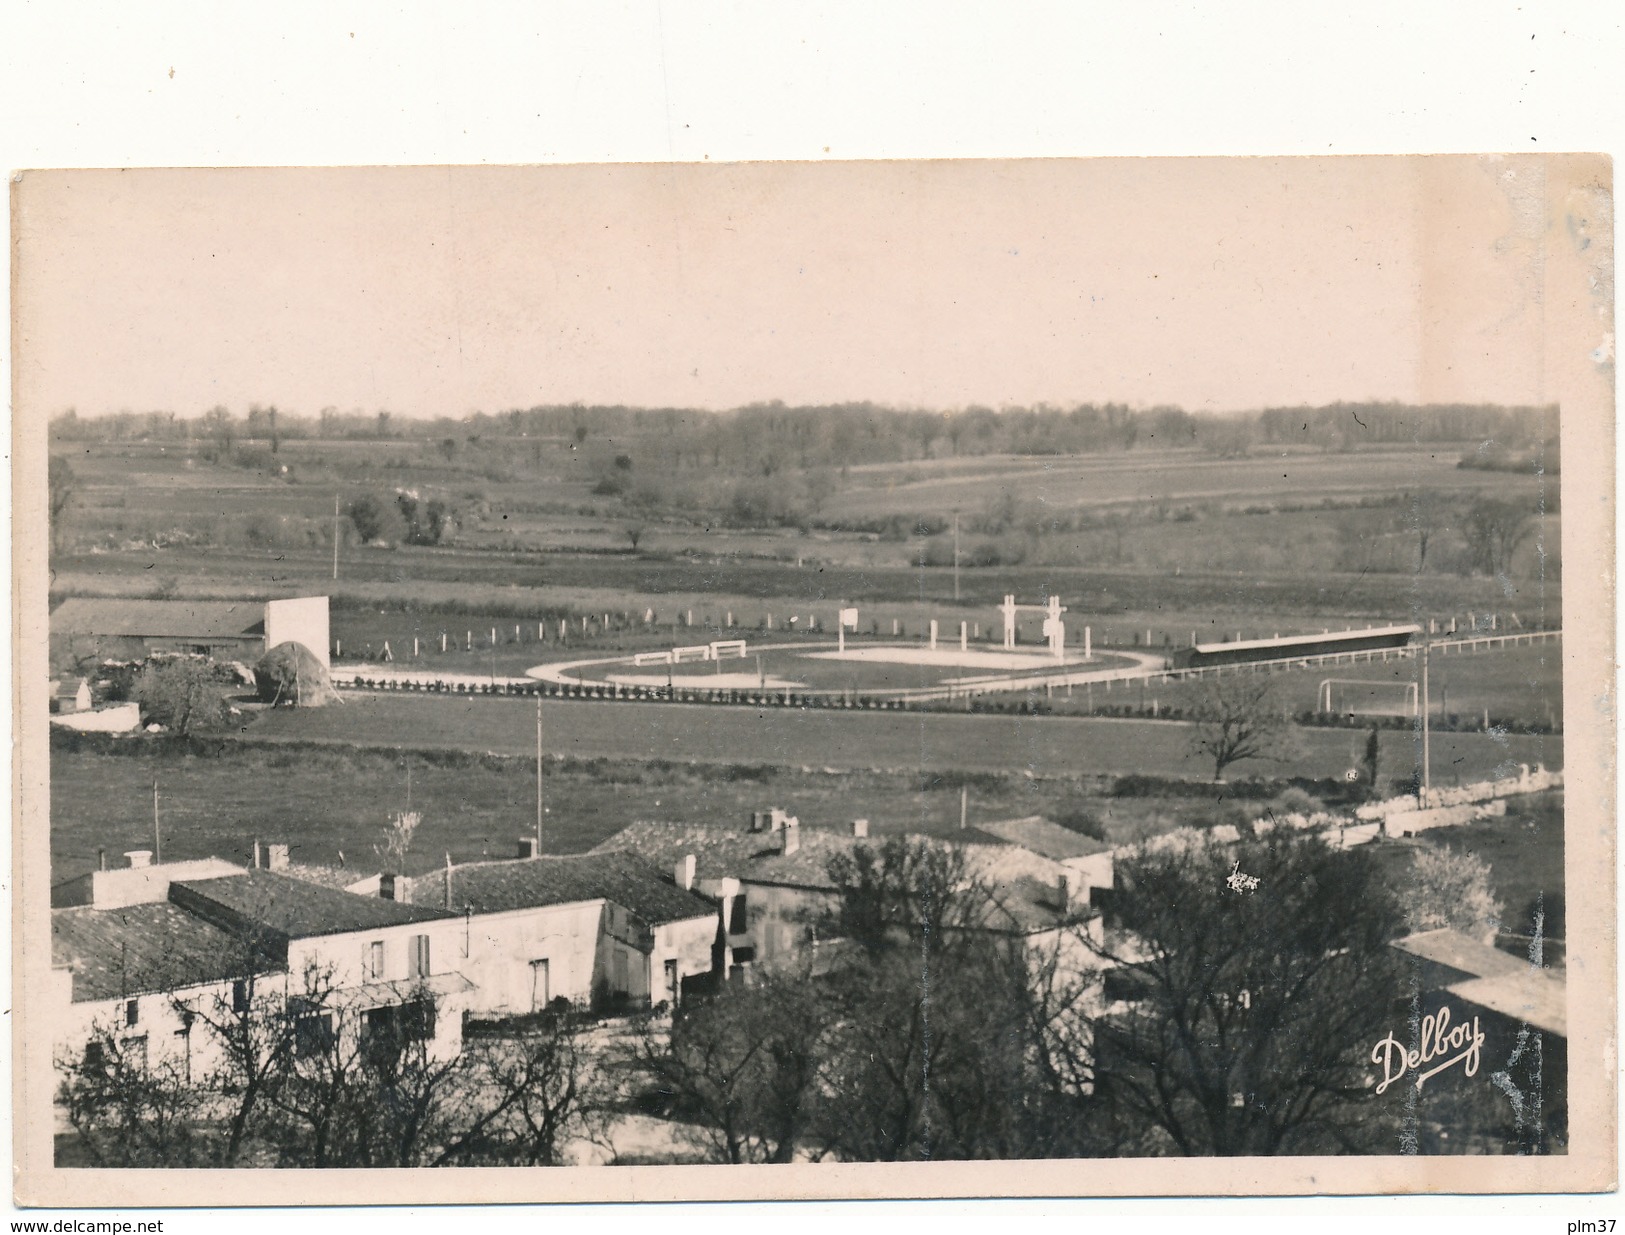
(770, 437)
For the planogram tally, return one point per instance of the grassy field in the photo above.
(328, 802)
(1051, 746)
(1180, 476)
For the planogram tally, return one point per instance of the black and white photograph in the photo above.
(928, 665)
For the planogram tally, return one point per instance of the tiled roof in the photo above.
(730, 853)
(1021, 886)
(527, 883)
(144, 949)
(81, 615)
(340, 877)
(1531, 995)
(1460, 952)
(292, 907)
(1043, 837)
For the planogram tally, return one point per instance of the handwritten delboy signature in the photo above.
(1438, 1038)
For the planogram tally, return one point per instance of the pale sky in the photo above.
(1213, 284)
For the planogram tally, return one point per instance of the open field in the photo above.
(325, 802)
(1048, 746)
(1061, 483)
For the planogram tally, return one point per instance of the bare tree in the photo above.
(634, 533)
(130, 1111)
(397, 841)
(540, 1094)
(60, 481)
(1246, 1017)
(250, 1026)
(1494, 529)
(746, 1065)
(1239, 717)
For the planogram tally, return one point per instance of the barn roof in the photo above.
(293, 908)
(174, 619)
(144, 949)
(528, 883)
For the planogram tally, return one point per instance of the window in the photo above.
(375, 960)
(239, 997)
(391, 1027)
(673, 989)
(132, 1012)
(739, 917)
(541, 986)
(420, 956)
(312, 1028)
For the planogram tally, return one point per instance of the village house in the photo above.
(135, 974)
(772, 886)
(381, 967)
(606, 929)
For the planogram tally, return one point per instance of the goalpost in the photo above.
(1363, 697)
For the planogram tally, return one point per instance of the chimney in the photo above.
(101, 859)
(448, 880)
(683, 872)
(276, 857)
(139, 858)
(527, 847)
(256, 853)
(1063, 893)
(860, 828)
(790, 837)
(386, 886)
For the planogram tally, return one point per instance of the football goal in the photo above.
(1359, 697)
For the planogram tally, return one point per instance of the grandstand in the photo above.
(1295, 647)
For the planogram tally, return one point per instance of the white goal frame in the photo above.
(1411, 705)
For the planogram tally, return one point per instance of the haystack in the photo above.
(290, 674)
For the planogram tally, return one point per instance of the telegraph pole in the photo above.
(538, 771)
(335, 536)
(157, 835)
(956, 557)
(1427, 783)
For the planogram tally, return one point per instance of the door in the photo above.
(541, 992)
(673, 990)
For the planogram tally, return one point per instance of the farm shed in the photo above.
(1294, 647)
(92, 628)
(69, 695)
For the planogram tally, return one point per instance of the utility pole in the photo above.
(956, 557)
(1427, 783)
(335, 536)
(964, 805)
(157, 835)
(538, 772)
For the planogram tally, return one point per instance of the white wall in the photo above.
(502, 947)
(302, 619)
(120, 718)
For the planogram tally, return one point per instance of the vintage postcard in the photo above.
(787, 680)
